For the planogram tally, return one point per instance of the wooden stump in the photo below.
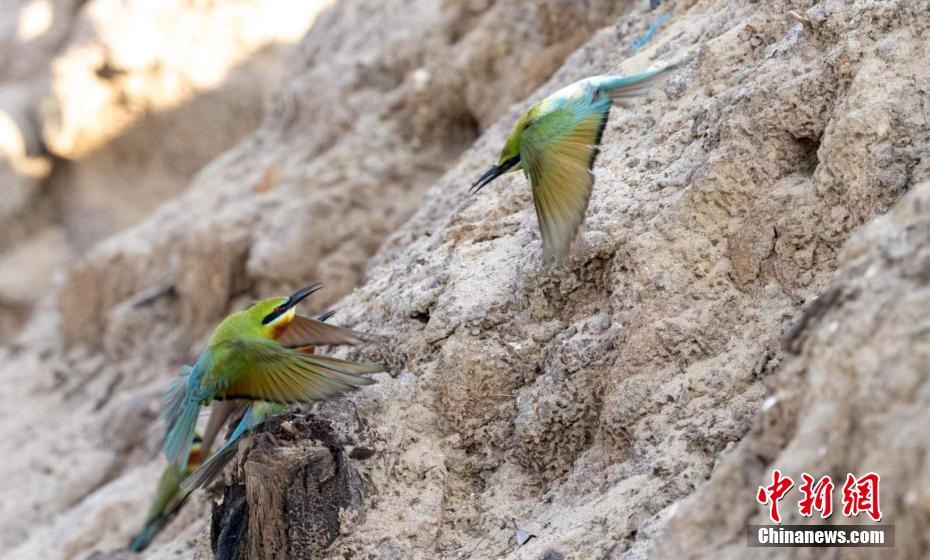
(286, 502)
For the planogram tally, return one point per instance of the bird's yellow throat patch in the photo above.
(276, 328)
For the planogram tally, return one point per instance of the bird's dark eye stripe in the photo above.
(275, 313)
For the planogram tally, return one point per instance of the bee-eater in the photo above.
(250, 415)
(221, 411)
(168, 499)
(255, 414)
(248, 357)
(555, 144)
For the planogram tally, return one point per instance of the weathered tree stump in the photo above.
(285, 503)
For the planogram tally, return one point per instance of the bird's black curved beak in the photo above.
(493, 173)
(300, 294)
(290, 302)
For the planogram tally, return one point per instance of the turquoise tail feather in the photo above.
(610, 84)
(180, 436)
(623, 89)
(144, 538)
(176, 395)
(180, 419)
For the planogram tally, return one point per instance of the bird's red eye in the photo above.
(275, 313)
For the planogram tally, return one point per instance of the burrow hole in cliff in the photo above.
(807, 149)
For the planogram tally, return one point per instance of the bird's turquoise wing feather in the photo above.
(213, 467)
(557, 150)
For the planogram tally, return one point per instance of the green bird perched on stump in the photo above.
(251, 414)
(302, 335)
(251, 357)
(555, 143)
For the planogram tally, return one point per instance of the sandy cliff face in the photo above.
(611, 406)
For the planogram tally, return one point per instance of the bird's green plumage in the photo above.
(246, 323)
(555, 144)
(167, 501)
(245, 360)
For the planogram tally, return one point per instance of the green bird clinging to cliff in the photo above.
(168, 499)
(253, 355)
(555, 144)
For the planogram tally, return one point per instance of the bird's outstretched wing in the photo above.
(558, 150)
(270, 372)
(304, 331)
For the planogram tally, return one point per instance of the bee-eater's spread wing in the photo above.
(304, 331)
(558, 151)
(271, 372)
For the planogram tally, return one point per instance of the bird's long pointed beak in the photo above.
(300, 294)
(493, 173)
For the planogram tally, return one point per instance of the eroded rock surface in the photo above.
(851, 397)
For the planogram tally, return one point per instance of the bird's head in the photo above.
(277, 313)
(509, 160)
